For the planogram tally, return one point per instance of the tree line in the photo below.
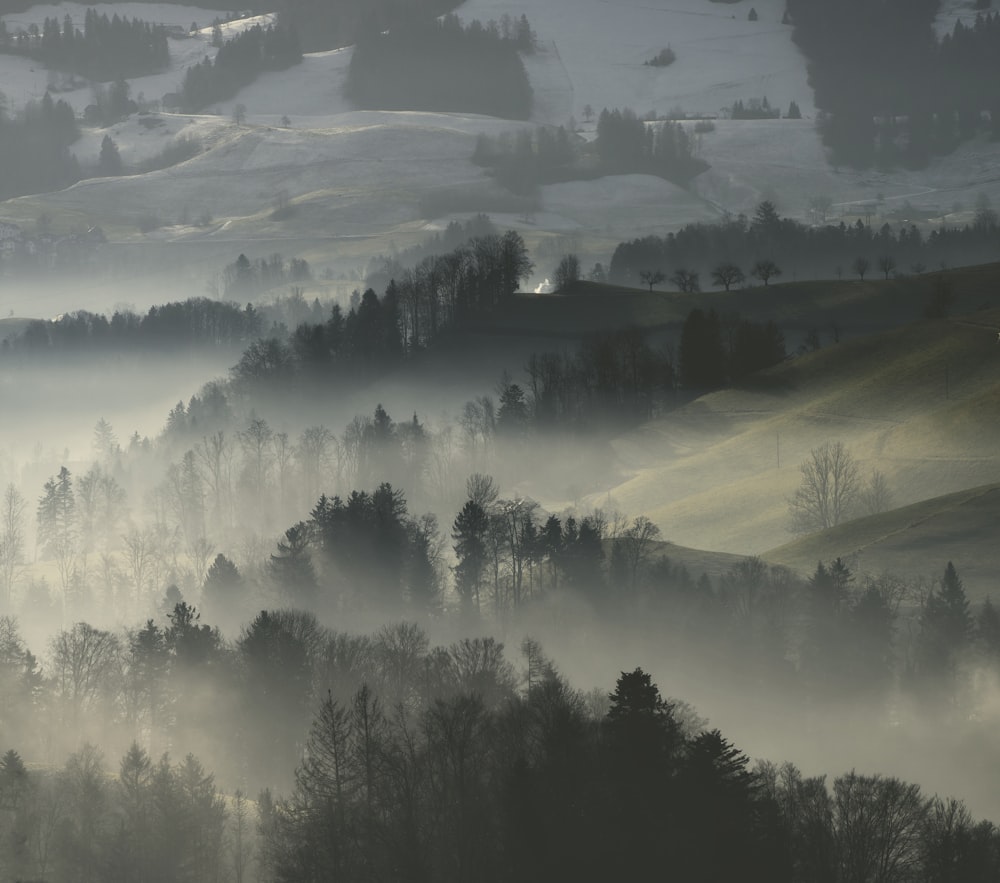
(625, 144)
(763, 246)
(442, 65)
(106, 49)
(246, 278)
(198, 321)
(438, 295)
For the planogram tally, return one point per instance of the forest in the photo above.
(524, 160)
(288, 685)
(905, 106)
(35, 146)
(106, 49)
(443, 65)
(238, 62)
(379, 586)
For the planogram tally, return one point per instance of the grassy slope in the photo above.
(716, 473)
(915, 540)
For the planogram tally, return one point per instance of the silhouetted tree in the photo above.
(652, 277)
(765, 270)
(727, 275)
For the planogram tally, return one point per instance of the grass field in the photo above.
(915, 541)
(918, 403)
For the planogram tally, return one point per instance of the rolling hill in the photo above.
(918, 403)
(360, 184)
(914, 541)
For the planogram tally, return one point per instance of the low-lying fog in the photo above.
(147, 520)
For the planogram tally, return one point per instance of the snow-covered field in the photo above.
(361, 182)
(23, 79)
(601, 47)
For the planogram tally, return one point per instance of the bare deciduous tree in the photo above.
(879, 823)
(12, 509)
(820, 207)
(139, 554)
(685, 281)
(876, 496)
(651, 277)
(635, 543)
(315, 453)
(765, 270)
(829, 490)
(727, 275)
(215, 455)
(82, 660)
(567, 272)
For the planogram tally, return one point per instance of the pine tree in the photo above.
(110, 161)
(291, 568)
(58, 526)
(469, 536)
(945, 630)
(222, 591)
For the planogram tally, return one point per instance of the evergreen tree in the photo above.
(223, 597)
(58, 526)
(945, 630)
(110, 161)
(291, 568)
(469, 535)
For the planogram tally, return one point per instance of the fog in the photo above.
(185, 514)
(412, 470)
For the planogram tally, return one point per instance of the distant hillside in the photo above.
(918, 403)
(914, 541)
(832, 307)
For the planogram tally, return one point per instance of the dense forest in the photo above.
(625, 144)
(732, 250)
(441, 65)
(905, 106)
(238, 62)
(35, 144)
(106, 49)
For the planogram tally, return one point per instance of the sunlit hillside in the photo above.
(914, 403)
(914, 541)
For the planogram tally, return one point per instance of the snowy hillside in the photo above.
(361, 183)
(600, 47)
